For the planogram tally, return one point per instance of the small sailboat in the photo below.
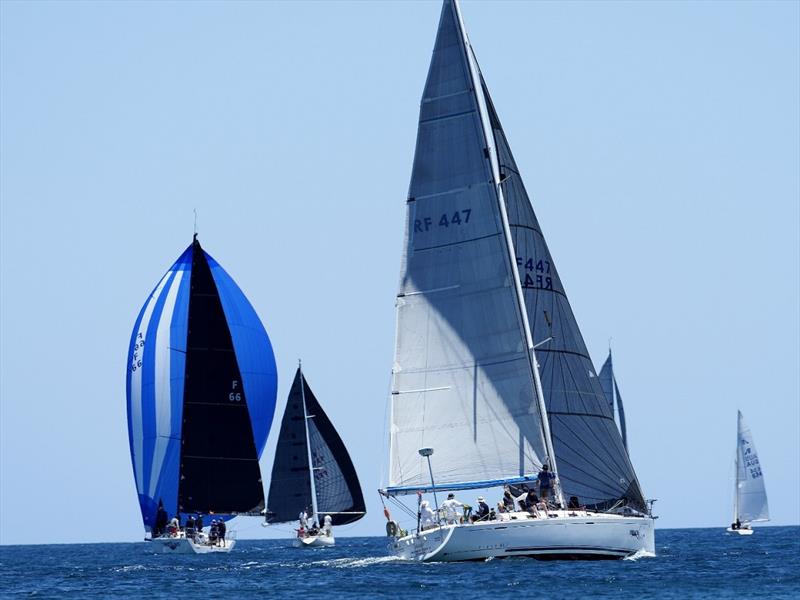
(201, 387)
(491, 378)
(609, 384)
(313, 478)
(749, 496)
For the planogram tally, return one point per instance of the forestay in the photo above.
(201, 386)
(462, 377)
(751, 497)
(335, 481)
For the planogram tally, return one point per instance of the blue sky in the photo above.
(660, 142)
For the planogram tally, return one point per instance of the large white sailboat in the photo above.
(749, 496)
(491, 378)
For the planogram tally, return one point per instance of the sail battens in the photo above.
(455, 243)
(432, 291)
(446, 117)
(422, 390)
(427, 100)
(456, 190)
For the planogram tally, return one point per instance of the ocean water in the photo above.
(690, 563)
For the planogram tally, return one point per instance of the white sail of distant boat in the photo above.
(609, 384)
(491, 377)
(750, 496)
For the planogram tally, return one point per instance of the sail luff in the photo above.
(491, 146)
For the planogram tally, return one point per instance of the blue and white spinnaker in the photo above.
(201, 389)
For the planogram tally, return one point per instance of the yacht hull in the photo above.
(561, 536)
(314, 541)
(183, 545)
(740, 531)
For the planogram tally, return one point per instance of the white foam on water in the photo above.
(129, 568)
(349, 563)
(640, 554)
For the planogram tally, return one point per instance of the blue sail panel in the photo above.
(155, 389)
(253, 353)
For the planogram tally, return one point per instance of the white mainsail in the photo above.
(463, 381)
(751, 497)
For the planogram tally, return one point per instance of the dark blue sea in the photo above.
(690, 563)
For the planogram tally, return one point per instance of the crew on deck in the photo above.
(162, 518)
(426, 517)
(545, 478)
(327, 525)
(453, 509)
(483, 510)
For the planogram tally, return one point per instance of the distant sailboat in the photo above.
(201, 388)
(609, 384)
(750, 497)
(491, 379)
(313, 478)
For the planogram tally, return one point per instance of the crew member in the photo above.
(451, 507)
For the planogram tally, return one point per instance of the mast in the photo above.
(736, 478)
(306, 417)
(492, 154)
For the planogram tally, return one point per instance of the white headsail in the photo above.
(751, 497)
(462, 379)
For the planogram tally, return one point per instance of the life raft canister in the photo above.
(392, 528)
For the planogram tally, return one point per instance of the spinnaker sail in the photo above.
(201, 386)
(307, 433)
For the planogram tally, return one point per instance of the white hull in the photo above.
(567, 535)
(741, 531)
(183, 545)
(314, 541)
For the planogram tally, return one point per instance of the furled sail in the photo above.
(609, 384)
(462, 380)
(201, 387)
(751, 497)
(336, 485)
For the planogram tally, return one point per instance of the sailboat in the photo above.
(201, 387)
(749, 495)
(313, 477)
(611, 390)
(491, 377)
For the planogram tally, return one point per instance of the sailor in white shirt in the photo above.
(453, 509)
(426, 516)
(327, 527)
